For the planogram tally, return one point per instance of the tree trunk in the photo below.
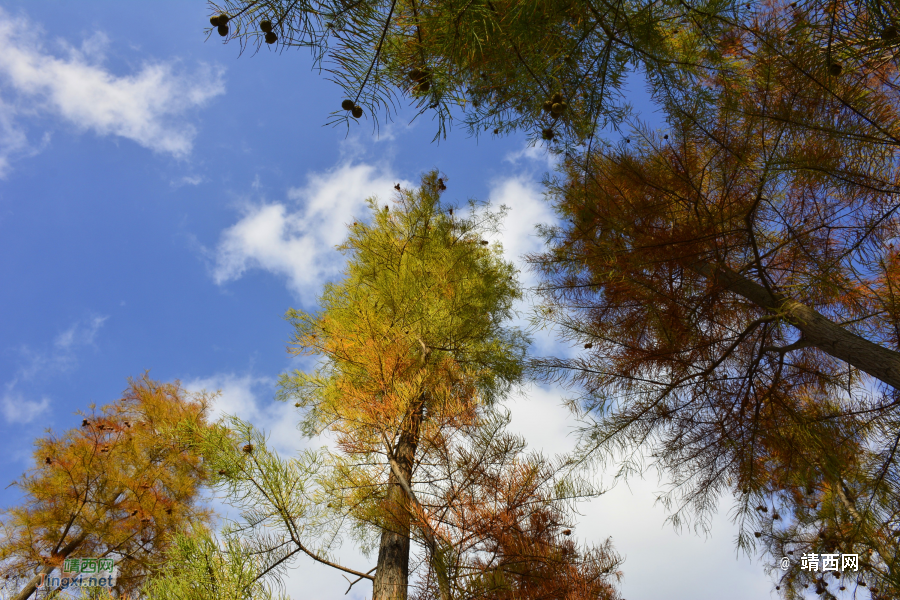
(392, 574)
(31, 586)
(819, 331)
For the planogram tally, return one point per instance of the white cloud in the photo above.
(13, 138)
(527, 208)
(62, 356)
(660, 562)
(390, 131)
(187, 180)
(17, 410)
(536, 153)
(296, 240)
(252, 399)
(92, 51)
(146, 107)
(80, 333)
(524, 198)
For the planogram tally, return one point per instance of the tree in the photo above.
(415, 355)
(507, 519)
(115, 487)
(694, 260)
(199, 567)
(501, 60)
(683, 265)
(414, 344)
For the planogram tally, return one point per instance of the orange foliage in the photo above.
(511, 538)
(117, 486)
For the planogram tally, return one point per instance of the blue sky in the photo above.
(163, 202)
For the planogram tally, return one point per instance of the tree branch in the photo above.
(818, 331)
(357, 581)
(31, 586)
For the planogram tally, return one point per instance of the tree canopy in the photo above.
(116, 487)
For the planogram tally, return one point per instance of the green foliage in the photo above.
(419, 283)
(496, 61)
(278, 517)
(199, 568)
